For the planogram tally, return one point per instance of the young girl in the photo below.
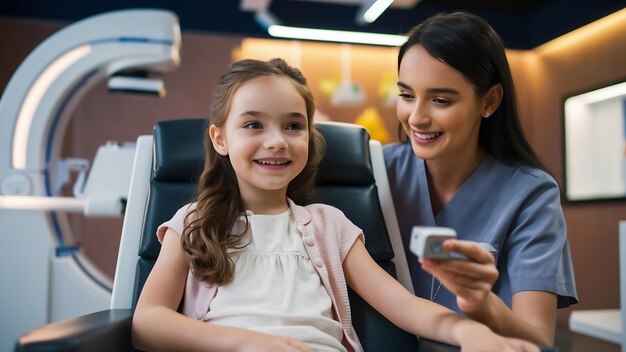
(467, 165)
(237, 255)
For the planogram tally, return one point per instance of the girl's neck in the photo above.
(266, 203)
(445, 176)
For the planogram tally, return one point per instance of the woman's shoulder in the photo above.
(398, 150)
(523, 182)
(535, 175)
(523, 174)
(401, 162)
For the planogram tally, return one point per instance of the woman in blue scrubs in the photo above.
(466, 164)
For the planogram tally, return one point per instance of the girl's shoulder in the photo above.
(177, 222)
(321, 215)
(329, 226)
(316, 210)
(185, 210)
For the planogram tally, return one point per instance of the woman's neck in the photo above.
(445, 177)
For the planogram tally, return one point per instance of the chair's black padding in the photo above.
(361, 205)
(179, 152)
(347, 158)
(107, 330)
(164, 200)
(345, 180)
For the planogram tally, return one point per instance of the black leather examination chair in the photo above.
(167, 165)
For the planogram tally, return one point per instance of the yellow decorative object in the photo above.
(373, 123)
(328, 86)
(388, 89)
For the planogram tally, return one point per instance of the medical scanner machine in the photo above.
(44, 275)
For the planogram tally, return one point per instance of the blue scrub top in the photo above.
(516, 209)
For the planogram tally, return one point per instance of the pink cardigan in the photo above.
(328, 236)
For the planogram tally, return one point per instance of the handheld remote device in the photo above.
(427, 242)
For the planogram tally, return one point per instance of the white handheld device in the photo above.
(427, 242)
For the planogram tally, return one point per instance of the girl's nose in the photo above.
(275, 139)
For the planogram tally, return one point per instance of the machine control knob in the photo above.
(17, 184)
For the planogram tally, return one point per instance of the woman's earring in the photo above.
(486, 115)
(220, 150)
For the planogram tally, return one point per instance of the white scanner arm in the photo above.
(42, 94)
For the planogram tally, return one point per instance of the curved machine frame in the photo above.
(44, 278)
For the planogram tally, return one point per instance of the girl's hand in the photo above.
(260, 342)
(470, 280)
(488, 341)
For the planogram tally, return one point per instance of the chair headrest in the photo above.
(347, 159)
(179, 152)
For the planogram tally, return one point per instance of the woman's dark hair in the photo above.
(208, 233)
(468, 44)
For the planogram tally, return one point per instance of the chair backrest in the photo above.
(347, 179)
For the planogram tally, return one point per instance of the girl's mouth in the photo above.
(272, 164)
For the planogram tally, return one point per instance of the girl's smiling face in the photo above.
(266, 136)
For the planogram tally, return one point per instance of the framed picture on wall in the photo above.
(594, 127)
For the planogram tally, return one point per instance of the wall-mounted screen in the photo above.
(595, 144)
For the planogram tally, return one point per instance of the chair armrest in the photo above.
(429, 345)
(425, 344)
(107, 330)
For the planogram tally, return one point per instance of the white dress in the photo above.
(276, 289)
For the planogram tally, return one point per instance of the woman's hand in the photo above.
(260, 342)
(470, 280)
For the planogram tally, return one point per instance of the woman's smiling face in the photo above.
(438, 107)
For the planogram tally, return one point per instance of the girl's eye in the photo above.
(405, 96)
(294, 126)
(252, 125)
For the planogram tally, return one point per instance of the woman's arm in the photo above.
(158, 326)
(533, 313)
(416, 315)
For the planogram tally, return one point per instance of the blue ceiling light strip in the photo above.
(143, 40)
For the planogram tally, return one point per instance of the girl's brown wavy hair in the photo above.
(209, 231)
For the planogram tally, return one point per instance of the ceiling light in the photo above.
(267, 20)
(336, 36)
(370, 11)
